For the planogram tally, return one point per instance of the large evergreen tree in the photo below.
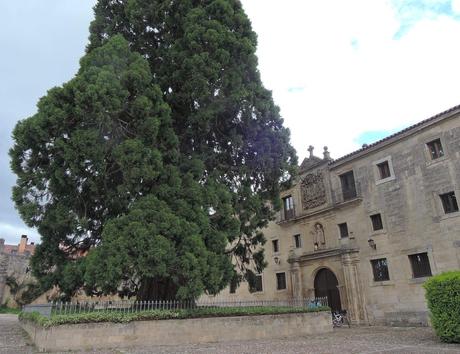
(162, 171)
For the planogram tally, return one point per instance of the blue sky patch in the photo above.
(296, 89)
(370, 137)
(354, 43)
(409, 12)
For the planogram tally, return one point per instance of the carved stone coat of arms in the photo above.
(313, 190)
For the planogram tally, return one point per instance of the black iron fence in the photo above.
(128, 306)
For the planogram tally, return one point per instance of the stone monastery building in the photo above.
(366, 230)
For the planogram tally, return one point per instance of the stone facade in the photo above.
(14, 262)
(367, 229)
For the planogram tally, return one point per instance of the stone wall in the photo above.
(3, 270)
(174, 332)
(12, 265)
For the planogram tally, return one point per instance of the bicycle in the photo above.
(339, 318)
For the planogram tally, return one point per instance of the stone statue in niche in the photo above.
(313, 190)
(318, 236)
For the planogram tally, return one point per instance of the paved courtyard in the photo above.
(344, 340)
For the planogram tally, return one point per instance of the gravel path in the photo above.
(362, 340)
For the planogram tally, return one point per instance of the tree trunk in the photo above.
(157, 289)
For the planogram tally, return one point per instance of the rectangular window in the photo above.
(276, 246)
(257, 287)
(343, 228)
(233, 286)
(288, 205)
(348, 185)
(449, 202)
(280, 281)
(297, 241)
(435, 149)
(380, 269)
(384, 170)
(420, 265)
(377, 222)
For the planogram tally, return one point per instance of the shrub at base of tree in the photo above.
(443, 296)
(123, 317)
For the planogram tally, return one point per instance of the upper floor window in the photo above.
(380, 269)
(276, 246)
(348, 185)
(343, 228)
(449, 202)
(297, 241)
(435, 149)
(288, 206)
(384, 170)
(420, 265)
(280, 281)
(377, 223)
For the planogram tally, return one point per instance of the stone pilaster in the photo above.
(355, 298)
(296, 280)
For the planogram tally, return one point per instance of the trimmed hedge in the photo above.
(120, 317)
(443, 296)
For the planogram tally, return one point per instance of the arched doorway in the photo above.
(326, 286)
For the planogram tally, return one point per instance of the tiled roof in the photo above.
(394, 136)
(9, 248)
(13, 249)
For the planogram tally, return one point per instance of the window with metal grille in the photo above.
(343, 228)
(348, 185)
(233, 286)
(449, 202)
(297, 241)
(380, 269)
(288, 206)
(276, 246)
(384, 170)
(280, 281)
(257, 284)
(420, 265)
(377, 222)
(435, 149)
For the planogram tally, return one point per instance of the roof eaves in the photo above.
(396, 136)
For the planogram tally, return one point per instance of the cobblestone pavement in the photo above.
(12, 338)
(362, 340)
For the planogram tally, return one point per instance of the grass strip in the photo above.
(9, 310)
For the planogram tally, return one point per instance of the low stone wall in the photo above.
(171, 332)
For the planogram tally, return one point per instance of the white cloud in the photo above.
(355, 76)
(456, 6)
(12, 233)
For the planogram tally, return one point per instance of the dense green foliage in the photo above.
(162, 151)
(443, 296)
(14, 311)
(123, 317)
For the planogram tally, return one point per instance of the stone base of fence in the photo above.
(89, 336)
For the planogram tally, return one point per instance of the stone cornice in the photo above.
(326, 253)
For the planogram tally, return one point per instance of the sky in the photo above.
(343, 73)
